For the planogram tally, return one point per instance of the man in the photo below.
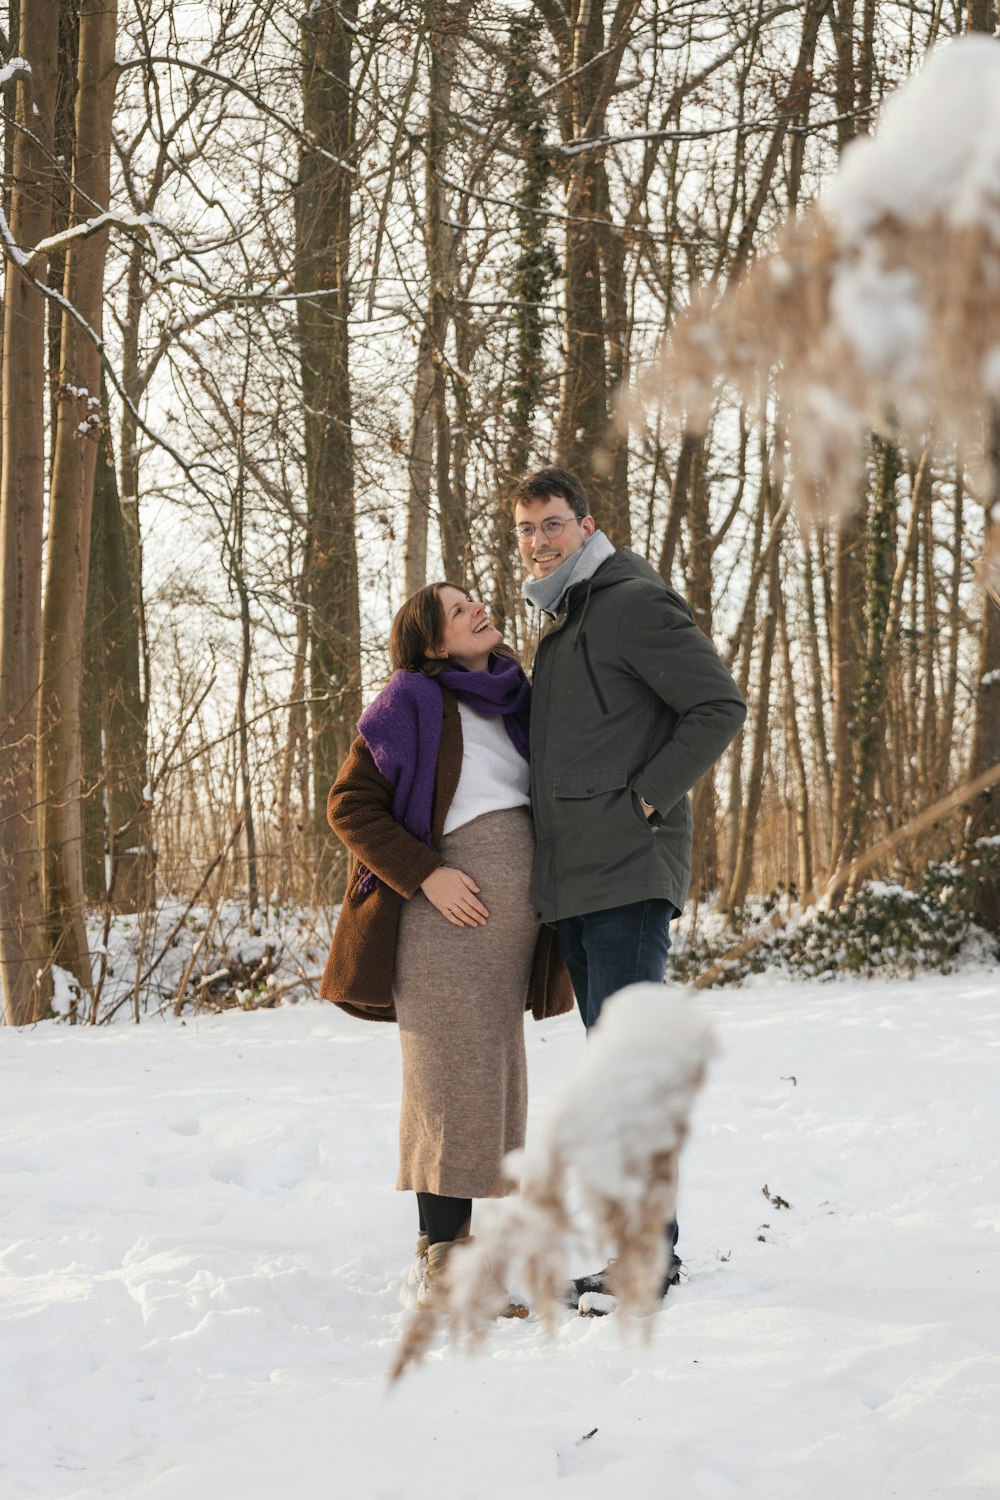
(631, 705)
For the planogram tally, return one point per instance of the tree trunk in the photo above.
(590, 61)
(420, 469)
(705, 856)
(923, 649)
(238, 576)
(803, 878)
(323, 230)
(23, 953)
(947, 742)
(536, 265)
(64, 145)
(294, 760)
(583, 405)
(134, 383)
(860, 812)
(818, 691)
(445, 23)
(614, 450)
(691, 455)
(845, 78)
(753, 794)
(848, 597)
(116, 797)
(984, 817)
(8, 130)
(535, 272)
(741, 654)
(126, 747)
(94, 793)
(79, 420)
(980, 15)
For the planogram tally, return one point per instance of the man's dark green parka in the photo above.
(629, 700)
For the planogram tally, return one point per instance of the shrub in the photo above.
(885, 929)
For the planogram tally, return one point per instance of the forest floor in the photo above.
(203, 1269)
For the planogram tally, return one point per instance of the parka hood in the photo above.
(624, 566)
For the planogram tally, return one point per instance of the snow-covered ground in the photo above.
(202, 1263)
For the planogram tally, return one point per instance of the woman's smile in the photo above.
(469, 635)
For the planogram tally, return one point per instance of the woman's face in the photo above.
(468, 636)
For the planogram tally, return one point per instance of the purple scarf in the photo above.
(402, 729)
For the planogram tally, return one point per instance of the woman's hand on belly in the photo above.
(454, 894)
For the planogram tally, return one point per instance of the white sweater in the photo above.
(493, 774)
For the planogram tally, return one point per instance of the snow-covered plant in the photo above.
(884, 928)
(880, 308)
(610, 1142)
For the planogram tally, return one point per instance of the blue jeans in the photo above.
(606, 950)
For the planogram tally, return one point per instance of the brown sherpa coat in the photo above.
(358, 973)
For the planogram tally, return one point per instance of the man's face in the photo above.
(542, 554)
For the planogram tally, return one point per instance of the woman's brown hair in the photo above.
(418, 628)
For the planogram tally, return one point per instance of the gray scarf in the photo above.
(547, 594)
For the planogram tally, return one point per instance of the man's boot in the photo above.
(597, 1292)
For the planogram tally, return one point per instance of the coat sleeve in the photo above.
(662, 646)
(359, 810)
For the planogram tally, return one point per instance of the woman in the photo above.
(436, 929)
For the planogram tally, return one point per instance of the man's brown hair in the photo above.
(545, 482)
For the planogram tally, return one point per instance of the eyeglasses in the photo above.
(552, 526)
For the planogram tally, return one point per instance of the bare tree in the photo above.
(591, 52)
(79, 418)
(983, 824)
(23, 952)
(323, 279)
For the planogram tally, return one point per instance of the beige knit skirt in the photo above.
(460, 994)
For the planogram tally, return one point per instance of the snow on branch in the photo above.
(18, 67)
(611, 1139)
(880, 307)
(82, 231)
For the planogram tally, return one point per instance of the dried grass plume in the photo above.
(879, 308)
(610, 1141)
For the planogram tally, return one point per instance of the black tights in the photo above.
(443, 1218)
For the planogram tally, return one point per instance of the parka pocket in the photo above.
(652, 823)
(588, 783)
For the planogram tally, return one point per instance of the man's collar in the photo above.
(547, 594)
